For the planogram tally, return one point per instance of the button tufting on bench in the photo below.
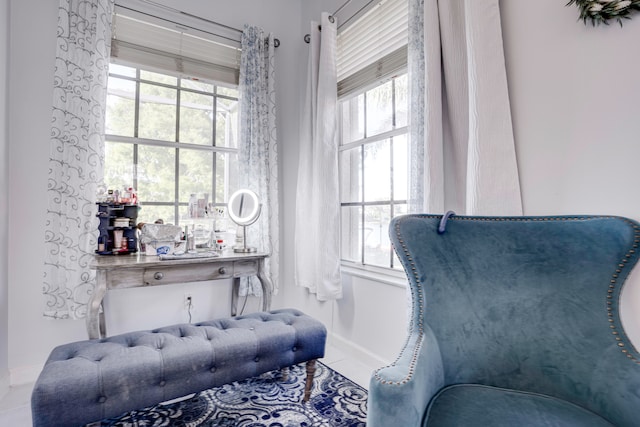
(291, 337)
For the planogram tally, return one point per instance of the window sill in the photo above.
(378, 274)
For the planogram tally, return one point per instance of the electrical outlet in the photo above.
(188, 301)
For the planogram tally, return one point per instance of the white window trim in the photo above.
(386, 275)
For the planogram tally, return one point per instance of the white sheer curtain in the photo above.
(258, 147)
(317, 227)
(76, 154)
(463, 153)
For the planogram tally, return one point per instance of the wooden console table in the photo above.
(132, 271)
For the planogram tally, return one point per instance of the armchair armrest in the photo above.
(400, 393)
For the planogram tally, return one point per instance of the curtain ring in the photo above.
(276, 42)
(307, 38)
(332, 19)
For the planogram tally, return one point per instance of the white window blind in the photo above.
(374, 47)
(156, 39)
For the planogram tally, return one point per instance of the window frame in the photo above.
(135, 141)
(393, 265)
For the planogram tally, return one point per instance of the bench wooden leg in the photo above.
(285, 373)
(311, 371)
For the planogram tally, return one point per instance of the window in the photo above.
(170, 137)
(374, 150)
(373, 171)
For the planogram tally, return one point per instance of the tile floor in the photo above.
(15, 407)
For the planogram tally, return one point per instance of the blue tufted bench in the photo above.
(88, 381)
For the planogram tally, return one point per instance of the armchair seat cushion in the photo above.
(479, 405)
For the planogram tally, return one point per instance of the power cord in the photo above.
(189, 306)
(244, 304)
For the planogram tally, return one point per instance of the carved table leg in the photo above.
(267, 286)
(235, 290)
(95, 320)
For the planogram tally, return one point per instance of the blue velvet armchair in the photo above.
(514, 322)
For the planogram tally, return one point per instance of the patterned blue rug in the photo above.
(264, 401)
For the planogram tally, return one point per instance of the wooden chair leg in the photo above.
(311, 371)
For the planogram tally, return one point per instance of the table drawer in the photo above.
(123, 278)
(187, 273)
(245, 268)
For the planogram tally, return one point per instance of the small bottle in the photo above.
(219, 245)
(190, 240)
(193, 206)
(133, 195)
(125, 196)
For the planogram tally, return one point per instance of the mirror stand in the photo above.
(244, 209)
(244, 249)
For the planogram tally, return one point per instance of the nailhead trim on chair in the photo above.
(611, 289)
(418, 291)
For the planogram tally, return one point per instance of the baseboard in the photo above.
(357, 352)
(25, 375)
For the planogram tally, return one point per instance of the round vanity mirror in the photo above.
(244, 209)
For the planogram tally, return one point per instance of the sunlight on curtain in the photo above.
(258, 148)
(76, 154)
(463, 151)
(317, 228)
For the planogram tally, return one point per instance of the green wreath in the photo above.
(601, 11)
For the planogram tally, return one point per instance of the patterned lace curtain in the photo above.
(258, 148)
(76, 154)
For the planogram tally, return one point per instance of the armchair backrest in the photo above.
(527, 303)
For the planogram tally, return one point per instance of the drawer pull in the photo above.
(222, 270)
(158, 275)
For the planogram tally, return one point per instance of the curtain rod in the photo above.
(307, 37)
(341, 7)
(276, 42)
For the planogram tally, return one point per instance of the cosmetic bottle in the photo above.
(190, 240)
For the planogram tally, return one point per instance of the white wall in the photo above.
(574, 94)
(574, 105)
(4, 183)
(31, 55)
